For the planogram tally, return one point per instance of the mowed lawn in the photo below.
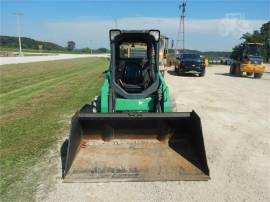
(35, 98)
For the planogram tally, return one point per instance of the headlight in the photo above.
(155, 34)
(114, 33)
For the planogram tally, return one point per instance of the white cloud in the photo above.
(211, 34)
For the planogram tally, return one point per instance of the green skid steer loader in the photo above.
(129, 133)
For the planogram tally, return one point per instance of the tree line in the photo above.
(31, 44)
(258, 36)
(28, 43)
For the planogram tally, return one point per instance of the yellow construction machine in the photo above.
(249, 59)
(163, 51)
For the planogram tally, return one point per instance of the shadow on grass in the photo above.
(63, 152)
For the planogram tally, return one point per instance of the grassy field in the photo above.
(34, 98)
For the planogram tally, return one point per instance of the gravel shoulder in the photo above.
(235, 114)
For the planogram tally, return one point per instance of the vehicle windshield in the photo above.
(255, 49)
(190, 56)
(133, 50)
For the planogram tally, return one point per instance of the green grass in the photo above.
(35, 98)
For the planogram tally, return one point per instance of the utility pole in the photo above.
(181, 29)
(18, 15)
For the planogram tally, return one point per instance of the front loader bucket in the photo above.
(107, 147)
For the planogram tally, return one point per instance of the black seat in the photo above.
(130, 88)
(133, 73)
(133, 77)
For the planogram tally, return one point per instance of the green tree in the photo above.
(265, 32)
(71, 45)
(28, 43)
(102, 50)
(258, 36)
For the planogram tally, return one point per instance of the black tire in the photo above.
(93, 107)
(202, 74)
(258, 75)
(249, 73)
(232, 69)
(178, 71)
(237, 70)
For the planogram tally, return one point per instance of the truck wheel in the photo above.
(179, 72)
(231, 69)
(258, 75)
(201, 74)
(249, 73)
(238, 71)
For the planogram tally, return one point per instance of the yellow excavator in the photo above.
(249, 59)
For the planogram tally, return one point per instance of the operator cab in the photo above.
(253, 52)
(134, 66)
(134, 60)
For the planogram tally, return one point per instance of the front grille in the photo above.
(256, 62)
(189, 64)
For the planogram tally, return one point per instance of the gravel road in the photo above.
(235, 114)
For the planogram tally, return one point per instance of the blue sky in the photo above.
(210, 25)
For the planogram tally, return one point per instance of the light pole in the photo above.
(18, 15)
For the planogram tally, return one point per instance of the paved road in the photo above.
(27, 59)
(235, 114)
